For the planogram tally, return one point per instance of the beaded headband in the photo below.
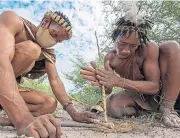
(133, 28)
(61, 20)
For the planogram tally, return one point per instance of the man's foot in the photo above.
(170, 117)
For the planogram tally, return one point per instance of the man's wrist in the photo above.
(71, 111)
(22, 123)
(67, 104)
(121, 83)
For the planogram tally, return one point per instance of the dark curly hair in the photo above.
(123, 27)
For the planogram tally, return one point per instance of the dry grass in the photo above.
(128, 124)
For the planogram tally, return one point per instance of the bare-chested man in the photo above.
(26, 52)
(137, 65)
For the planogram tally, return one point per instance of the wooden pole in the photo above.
(102, 87)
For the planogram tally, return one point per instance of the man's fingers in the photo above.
(84, 72)
(103, 83)
(33, 133)
(101, 78)
(101, 72)
(89, 120)
(93, 65)
(88, 69)
(90, 115)
(51, 129)
(95, 83)
(43, 133)
(107, 66)
(57, 124)
(90, 78)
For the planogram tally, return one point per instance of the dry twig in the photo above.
(102, 87)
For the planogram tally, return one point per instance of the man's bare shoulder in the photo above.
(109, 55)
(11, 20)
(152, 49)
(152, 44)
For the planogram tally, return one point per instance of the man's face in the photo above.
(125, 45)
(57, 32)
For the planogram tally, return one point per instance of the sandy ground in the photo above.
(140, 127)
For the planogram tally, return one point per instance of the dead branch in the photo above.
(102, 87)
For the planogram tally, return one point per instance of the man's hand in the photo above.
(107, 77)
(84, 117)
(89, 73)
(42, 127)
(80, 117)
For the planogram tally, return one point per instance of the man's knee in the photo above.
(169, 48)
(50, 104)
(115, 113)
(118, 111)
(113, 109)
(29, 49)
(120, 104)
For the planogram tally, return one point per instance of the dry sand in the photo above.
(139, 127)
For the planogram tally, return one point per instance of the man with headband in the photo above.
(26, 51)
(136, 64)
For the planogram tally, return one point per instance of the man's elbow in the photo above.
(55, 82)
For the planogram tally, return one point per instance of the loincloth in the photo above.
(151, 102)
(146, 102)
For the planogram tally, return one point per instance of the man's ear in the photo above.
(46, 21)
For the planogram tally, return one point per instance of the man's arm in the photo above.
(10, 98)
(56, 83)
(151, 71)
(60, 93)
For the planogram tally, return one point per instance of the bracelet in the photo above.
(66, 105)
(124, 81)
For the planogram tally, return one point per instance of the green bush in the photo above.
(38, 84)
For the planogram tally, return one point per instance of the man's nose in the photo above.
(126, 50)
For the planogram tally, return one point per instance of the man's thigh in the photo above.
(32, 96)
(120, 99)
(132, 99)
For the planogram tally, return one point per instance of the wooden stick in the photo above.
(76, 124)
(102, 87)
(95, 121)
(104, 103)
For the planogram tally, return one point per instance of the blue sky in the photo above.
(85, 17)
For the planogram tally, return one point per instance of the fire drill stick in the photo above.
(102, 87)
